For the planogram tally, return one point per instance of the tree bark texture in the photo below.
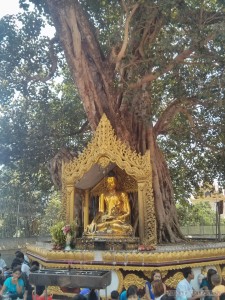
(93, 75)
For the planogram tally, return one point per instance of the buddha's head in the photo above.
(111, 182)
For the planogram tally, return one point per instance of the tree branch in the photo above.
(177, 60)
(169, 113)
(153, 23)
(121, 54)
(150, 77)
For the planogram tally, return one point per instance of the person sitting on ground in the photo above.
(26, 258)
(17, 261)
(14, 285)
(115, 295)
(7, 272)
(2, 279)
(219, 288)
(2, 263)
(158, 289)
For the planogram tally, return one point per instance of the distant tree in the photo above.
(36, 122)
(51, 214)
(198, 214)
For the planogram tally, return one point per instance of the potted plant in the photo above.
(64, 235)
(58, 236)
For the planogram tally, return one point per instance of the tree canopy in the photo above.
(156, 68)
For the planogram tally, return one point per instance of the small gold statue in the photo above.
(114, 212)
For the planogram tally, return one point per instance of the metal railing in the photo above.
(202, 230)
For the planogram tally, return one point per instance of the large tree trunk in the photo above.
(168, 229)
(93, 75)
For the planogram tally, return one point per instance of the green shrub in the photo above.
(58, 237)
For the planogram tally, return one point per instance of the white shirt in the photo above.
(25, 269)
(184, 290)
(2, 264)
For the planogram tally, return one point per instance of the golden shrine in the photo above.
(85, 177)
(110, 236)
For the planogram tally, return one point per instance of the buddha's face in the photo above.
(111, 183)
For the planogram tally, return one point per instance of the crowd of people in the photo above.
(210, 288)
(14, 280)
(14, 284)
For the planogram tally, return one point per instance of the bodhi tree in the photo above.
(156, 69)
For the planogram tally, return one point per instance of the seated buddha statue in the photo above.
(114, 212)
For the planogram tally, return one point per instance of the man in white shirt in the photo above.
(25, 268)
(2, 263)
(184, 290)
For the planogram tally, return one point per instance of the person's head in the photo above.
(19, 255)
(155, 275)
(188, 273)
(216, 279)
(210, 272)
(34, 268)
(35, 263)
(115, 295)
(79, 297)
(16, 273)
(158, 288)
(132, 293)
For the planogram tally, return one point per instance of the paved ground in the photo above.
(8, 256)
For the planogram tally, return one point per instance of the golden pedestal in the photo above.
(135, 267)
(101, 242)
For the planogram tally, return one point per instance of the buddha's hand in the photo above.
(122, 218)
(106, 218)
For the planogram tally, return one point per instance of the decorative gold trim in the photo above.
(173, 280)
(86, 259)
(106, 145)
(131, 279)
(121, 282)
(148, 274)
(55, 290)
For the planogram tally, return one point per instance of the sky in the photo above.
(9, 7)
